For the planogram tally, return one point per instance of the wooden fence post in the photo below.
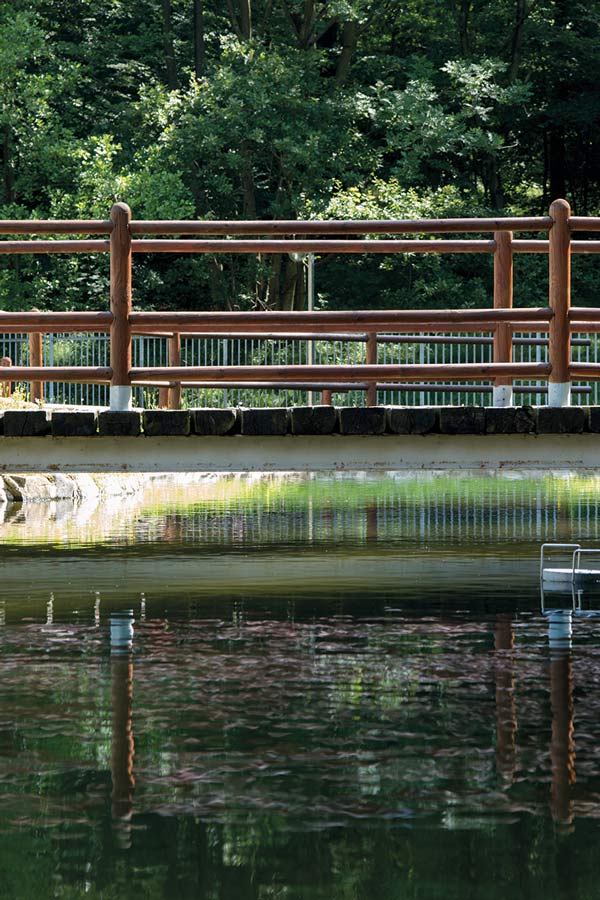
(174, 394)
(371, 360)
(503, 299)
(7, 386)
(120, 306)
(36, 358)
(559, 387)
(326, 397)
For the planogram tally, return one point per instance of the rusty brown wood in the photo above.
(579, 314)
(503, 299)
(350, 374)
(320, 322)
(21, 247)
(371, 360)
(75, 374)
(315, 246)
(36, 360)
(120, 295)
(584, 370)
(53, 322)
(6, 387)
(55, 226)
(163, 392)
(584, 223)
(585, 246)
(559, 351)
(356, 226)
(261, 385)
(326, 397)
(521, 246)
(174, 352)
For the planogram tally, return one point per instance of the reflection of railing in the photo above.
(377, 327)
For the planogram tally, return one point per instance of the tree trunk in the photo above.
(307, 28)
(199, 48)
(170, 66)
(274, 281)
(299, 292)
(248, 187)
(287, 296)
(464, 40)
(557, 159)
(349, 41)
(521, 13)
(8, 175)
(246, 19)
(493, 185)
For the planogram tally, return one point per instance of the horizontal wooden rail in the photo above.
(22, 247)
(315, 246)
(55, 226)
(318, 322)
(584, 223)
(579, 314)
(54, 322)
(584, 370)
(342, 373)
(427, 387)
(263, 385)
(358, 338)
(356, 226)
(432, 387)
(319, 246)
(585, 246)
(75, 374)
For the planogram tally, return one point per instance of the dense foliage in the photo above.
(294, 108)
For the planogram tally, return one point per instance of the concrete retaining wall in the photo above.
(299, 440)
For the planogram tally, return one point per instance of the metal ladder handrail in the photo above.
(544, 547)
(577, 558)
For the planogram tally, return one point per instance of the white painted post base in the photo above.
(560, 630)
(121, 632)
(559, 394)
(121, 397)
(503, 395)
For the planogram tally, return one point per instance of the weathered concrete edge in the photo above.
(303, 453)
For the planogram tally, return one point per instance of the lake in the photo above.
(300, 687)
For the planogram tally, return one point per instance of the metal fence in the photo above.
(423, 348)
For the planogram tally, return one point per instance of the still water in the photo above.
(299, 688)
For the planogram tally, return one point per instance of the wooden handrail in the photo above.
(316, 322)
(123, 236)
(322, 246)
(54, 322)
(345, 226)
(23, 247)
(55, 226)
(343, 373)
(75, 374)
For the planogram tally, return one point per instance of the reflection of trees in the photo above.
(228, 705)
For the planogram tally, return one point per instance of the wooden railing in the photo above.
(120, 240)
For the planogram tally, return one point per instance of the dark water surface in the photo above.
(335, 689)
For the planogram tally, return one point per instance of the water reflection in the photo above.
(122, 742)
(562, 746)
(506, 712)
(311, 721)
(308, 509)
